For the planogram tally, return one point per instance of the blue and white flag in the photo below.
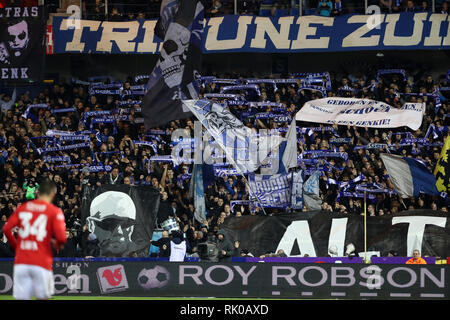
(288, 150)
(272, 191)
(409, 176)
(245, 150)
(311, 195)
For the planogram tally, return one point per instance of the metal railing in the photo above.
(118, 10)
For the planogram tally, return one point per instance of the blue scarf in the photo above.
(34, 106)
(63, 148)
(221, 95)
(147, 144)
(50, 159)
(326, 153)
(391, 71)
(340, 140)
(128, 103)
(314, 88)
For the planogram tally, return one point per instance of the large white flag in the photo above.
(361, 113)
(243, 147)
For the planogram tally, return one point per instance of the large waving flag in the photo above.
(409, 176)
(442, 170)
(243, 148)
(288, 150)
(176, 73)
(311, 195)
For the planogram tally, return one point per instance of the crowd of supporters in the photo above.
(22, 166)
(119, 10)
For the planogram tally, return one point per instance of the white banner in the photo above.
(361, 113)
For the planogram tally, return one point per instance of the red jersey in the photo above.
(38, 221)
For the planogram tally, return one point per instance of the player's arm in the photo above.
(59, 229)
(12, 222)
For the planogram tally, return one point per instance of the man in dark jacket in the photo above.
(165, 208)
(225, 247)
(92, 248)
(163, 244)
(6, 251)
(69, 249)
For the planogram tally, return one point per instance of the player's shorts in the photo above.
(32, 281)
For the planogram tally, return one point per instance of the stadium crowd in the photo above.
(22, 166)
(119, 10)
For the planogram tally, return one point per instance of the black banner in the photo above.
(315, 232)
(22, 44)
(245, 280)
(177, 71)
(122, 217)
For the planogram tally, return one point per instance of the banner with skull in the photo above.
(176, 74)
(122, 217)
(22, 44)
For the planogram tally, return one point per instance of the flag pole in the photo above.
(365, 226)
(196, 123)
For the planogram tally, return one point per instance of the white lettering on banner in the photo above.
(391, 273)
(337, 235)
(436, 20)
(297, 231)
(123, 39)
(446, 41)
(8, 283)
(305, 30)
(76, 44)
(287, 277)
(148, 45)
(212, 42)
(13, 73)
(416, 229)
(280, 39)
(62, 283)
(350, 275)
(249, 33)
(390, 39)
(424, 273)
(361, 113)
(228, 280)
(184, 273)
(18, 12)
(356, 38)
(345, 277)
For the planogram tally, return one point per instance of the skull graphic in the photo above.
(112, 218)
(173, 54)
(18, 37)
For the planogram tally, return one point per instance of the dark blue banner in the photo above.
(264, 34)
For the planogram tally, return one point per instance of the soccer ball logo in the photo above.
(157, 277)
